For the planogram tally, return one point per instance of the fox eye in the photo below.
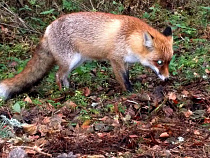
(160, 62)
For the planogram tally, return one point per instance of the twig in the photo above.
(7, 8)
(93, 8)
(100, 3)
(20, 28)
(15, 15)
(157, 108)
(35, 148)
(81, 4)
(164, 101)
(131, 101)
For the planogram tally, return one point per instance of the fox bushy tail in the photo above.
(41, 62)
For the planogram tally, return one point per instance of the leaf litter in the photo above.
(153, 123)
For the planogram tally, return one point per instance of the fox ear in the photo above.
(167, 31)
(148, 41)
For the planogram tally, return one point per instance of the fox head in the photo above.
(159, 51)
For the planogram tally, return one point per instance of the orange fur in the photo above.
(74, 38)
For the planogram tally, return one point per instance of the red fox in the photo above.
(75, 38)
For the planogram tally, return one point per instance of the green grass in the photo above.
(190, 62)
(191, 47)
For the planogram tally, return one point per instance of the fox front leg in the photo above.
(122, 74)
(125, 76)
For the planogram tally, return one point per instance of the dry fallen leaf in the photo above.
(208, 110)
(188, 113)
(55, 123)
(126, 118)
(158, 95)
(43, 129)
(157, 148)
(40, 142)
(46, 120)
(50, 107)
(12, 64)
(154, 120)
(207, 71)
(4, 29)
(164, 135)
(104, 118)
(116, 108)
(33, 137)
(185, 93)
(107, 120)
(30, 128)
(168, 111)
(130, 111)
(172, 96)
(16, 140)
(86, 91)
(196, 132)
(144, 97)
(30, 151)
(116, 122)
(86, 124)
(28, 100)
(70, 104)
(196, 74)
(101, 135)
(133, 136)
(207, 120)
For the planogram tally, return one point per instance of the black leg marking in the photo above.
(126, 81)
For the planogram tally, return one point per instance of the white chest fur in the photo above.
(131, 57)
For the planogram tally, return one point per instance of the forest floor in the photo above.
(162, 121)
(94, 119)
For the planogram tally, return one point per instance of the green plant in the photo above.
(121, 108)
(18, 106)
(80, 99)
(70, 6)
(84, 74)
(5, 131)
(84, 115)
(192, 51)
(53, 103)
(119, 7)
(110, 107)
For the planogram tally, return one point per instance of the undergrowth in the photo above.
(17, 42)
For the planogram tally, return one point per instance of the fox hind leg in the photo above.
(65, 67)
(62, 76)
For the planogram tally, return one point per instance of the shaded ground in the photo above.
(155, 123)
